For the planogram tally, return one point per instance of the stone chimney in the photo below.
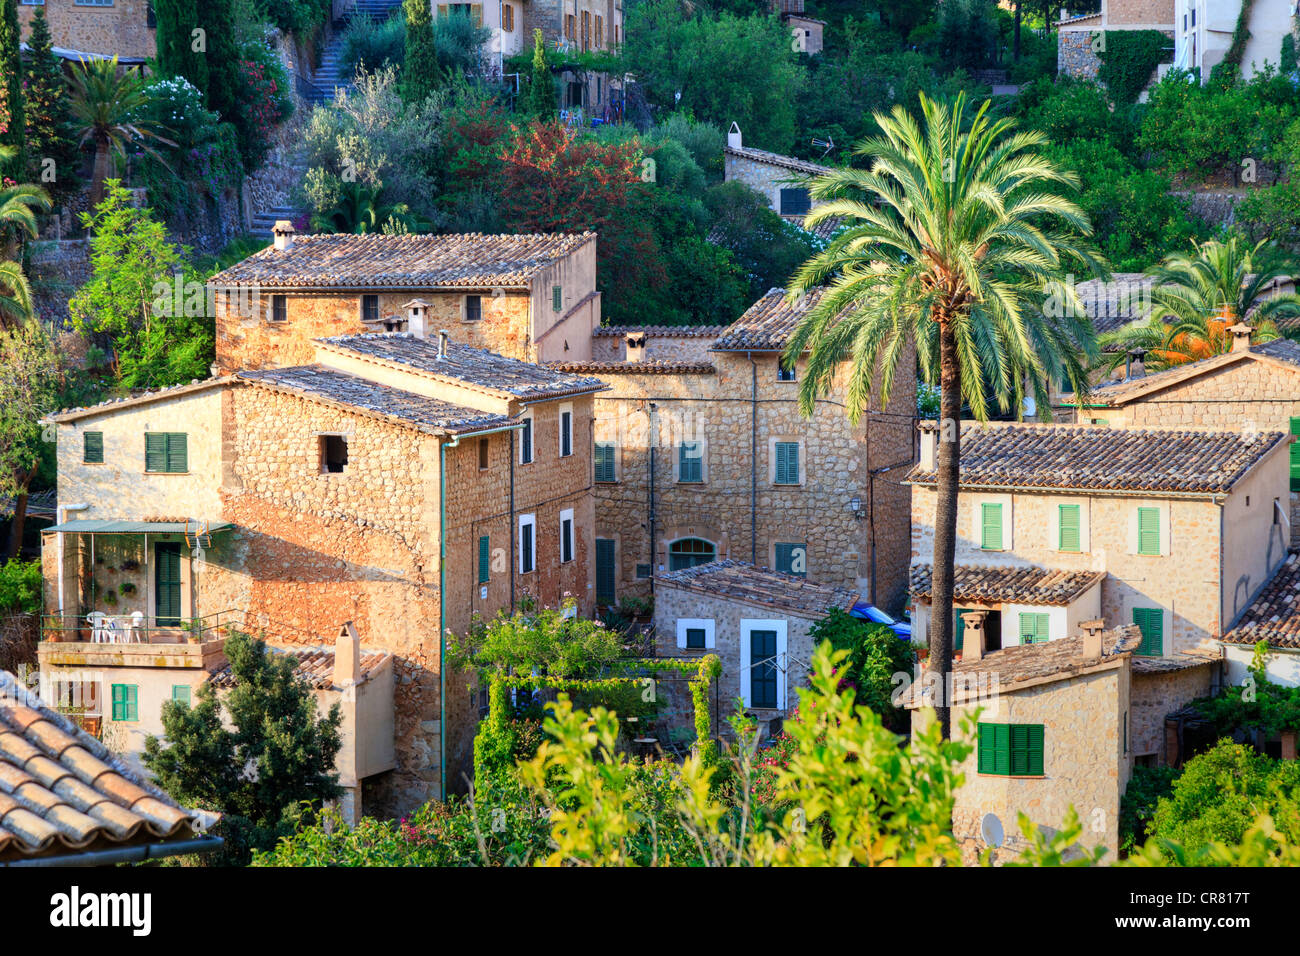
(1137, 367)
(442, 344)
(283, 235)
(1241, 333)
(972, 635)
(636, 347)
(416, 323)
(1092, 631)
(347, 656)
(929, 448)
(733, 137)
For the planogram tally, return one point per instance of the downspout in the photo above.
(753, 458)
(62, 515)
(651, 444)
(132, 854)
(510, 532)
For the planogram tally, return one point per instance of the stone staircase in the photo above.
(264, 219)
(331, 74)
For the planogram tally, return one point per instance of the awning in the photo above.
(88, 526)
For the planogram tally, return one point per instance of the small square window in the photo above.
(784, 372)
(279, 308)
(370, 308)
(642, 571)
(333, 454)
(695, 638)
(473, 308)
(92, 448)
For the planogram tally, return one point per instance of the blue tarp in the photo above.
(869, 612)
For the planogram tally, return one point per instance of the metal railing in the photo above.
(101, 627)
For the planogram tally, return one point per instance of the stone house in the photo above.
(1274, 616)
(530, 297)
(1183, 527)
(97, 28)
(404, 484)
(1078, 37)
(756, 620)
(702, 454)
(805, 31)
(782, 180)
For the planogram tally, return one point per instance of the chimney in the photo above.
(972, 636)
(1092, 631)
(733, 137)
(1241, 333)
(1136, 364)
(442, 344)
(636, 347)
(929, 447)
(416, 310)
(283, 235)
(347, 656)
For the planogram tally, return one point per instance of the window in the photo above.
(473, 308)
(792, 558)
(784, 373)
(1294, 452)
(959, 627)
(507, 18)
(566, 535)
(644, 571)
(1010, 750)
(787, 463)
(569, 27)
(1149, 531)
(690, 462)
(527, 543)
(126, 702)
(526, 441)
(605, 461)
(483, 454)
(181, 693)
(92, 3)
(795, 202)
(333, 454)
(92, 448)
(991, 526)
(600, 31)
(370, 308)
(762, 668)
(1068, 538)
(166, 452)
(484, 559)
(1033, 627)
(557, 298)
(472, 10)
(566, 431)
(279, 308)
(694, 633)
(1151, 622)
(688, 552)
(606, 568)
(586, 30)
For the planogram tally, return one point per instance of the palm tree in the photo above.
(108, 108)
(18, 207)
(1196, 298)
(957, 235)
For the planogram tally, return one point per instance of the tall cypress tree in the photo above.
(541, 86)
(11, 88)
(421, 74)
(177, 20)
(219, 52)
(52, 154)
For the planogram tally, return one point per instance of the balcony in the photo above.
(99, 639)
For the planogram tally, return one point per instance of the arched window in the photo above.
(688, 552)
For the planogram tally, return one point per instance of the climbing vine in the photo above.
(1240, 36)
(1128, 58)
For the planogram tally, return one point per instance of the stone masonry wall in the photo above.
(1075, 56)
(1155, 696)
(117, 30)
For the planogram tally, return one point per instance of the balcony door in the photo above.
(167, 583)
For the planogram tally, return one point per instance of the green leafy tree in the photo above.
(13, 124)
(218, 43)
(52, 155)
(953, 243)
(177, 20)
(876, 654)
(255, 753)
(421, 76)
(541, 84)
(31, 379)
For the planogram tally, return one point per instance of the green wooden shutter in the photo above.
(1033, 627)
(181, 694)
(605, 570)
(1151, 622)
(1026, 750)
(785, 557)
(787, 463)
(484, 560)
(959, 628)
(167, 584)
(557, 298)
(177, 452)
(994, 749)
(92, 446)
(604, 461)
(1069, 528)
(1295, 456)
(1149, 531)
(155, 451)
(991, 526)
(126, 702)
(1035, 750)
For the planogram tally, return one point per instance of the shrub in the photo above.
(20, 586)
(1128, 58)
(1146, 787)
(369, 46)
(875, 655)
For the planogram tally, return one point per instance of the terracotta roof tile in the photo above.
(374, 399)
(464, 364)
(776, 159)
(748, 582)
(467, 260)
(1088, 458)
(61, 791)
(1007, 584)
(315, 665)
(653, 367)
(1274, 615)
(660, 331)
(766, 325)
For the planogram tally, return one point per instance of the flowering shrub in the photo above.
(264, 100)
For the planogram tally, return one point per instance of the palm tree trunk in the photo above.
(945, 519)
(99, 172)
(20, 515)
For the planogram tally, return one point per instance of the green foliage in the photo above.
(1128, 58)
(31, 380)
(255, 754)
(875, 655)
(177, 19)
(20, 586)
(263, 99)
(298, 16)
(541, 84)
(420, 75)
(13, 123)
(764, 246)
(966, 32)
(369, 46)
(543, 640)
(51, 140)
(1146, 787)
(1274, 211)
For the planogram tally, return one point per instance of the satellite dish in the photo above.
(991, 830)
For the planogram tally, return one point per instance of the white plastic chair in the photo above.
(99, 633)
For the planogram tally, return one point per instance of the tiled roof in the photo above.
(1087, 458)
(315, 666)
(653, 367)
(767, 324)
(466, 260)
(1031, 664)
(373, 399)
(661, 331)
(62, 792)
(1274, 615)
(1111, 304)
(1285, 351)
(464, 363)
(824, 229)
(142, 398)
(748, 582)
(776, 159)
(1025, 584)
(1171, 665)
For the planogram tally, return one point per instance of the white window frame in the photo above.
(976, 519)
(566, 408)
(706, 624)
(531, 429)
(529, 521)
(748, 625)
(572, 535)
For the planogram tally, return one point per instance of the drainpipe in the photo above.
(131, 854)
(753, 458)
(62, 515)
(652, 441)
